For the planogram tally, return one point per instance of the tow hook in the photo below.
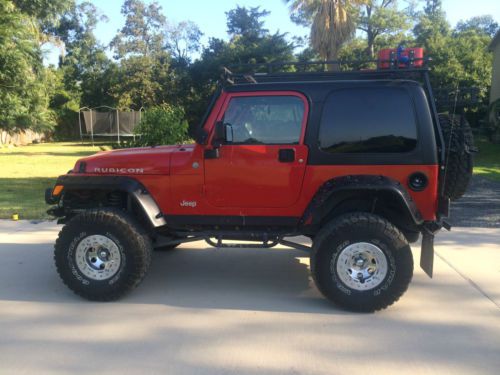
(49, 198)
(446, 225)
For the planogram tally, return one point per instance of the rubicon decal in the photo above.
(119, 170)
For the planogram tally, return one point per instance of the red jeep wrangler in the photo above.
(360, 162)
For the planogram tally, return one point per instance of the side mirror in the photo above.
(219, 133)
(223, 133)
(202, 137)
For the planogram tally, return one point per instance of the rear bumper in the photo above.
(443, 208)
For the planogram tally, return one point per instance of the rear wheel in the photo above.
(361, 262)
(102, 254)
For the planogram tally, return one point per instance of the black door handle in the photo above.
(286, 155)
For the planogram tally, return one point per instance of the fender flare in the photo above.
(334, 191)
(134, 188)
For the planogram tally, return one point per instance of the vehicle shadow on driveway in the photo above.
(243, 279)
(206, 278)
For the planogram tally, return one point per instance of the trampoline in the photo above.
(104, 121)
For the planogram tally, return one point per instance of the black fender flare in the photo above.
(334, 191)
(117, 183)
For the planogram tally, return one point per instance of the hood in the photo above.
(130, 161)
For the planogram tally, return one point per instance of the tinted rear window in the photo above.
(368, 120)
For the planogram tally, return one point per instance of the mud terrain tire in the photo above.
(102, 254)
(357, 244)
(459, 144)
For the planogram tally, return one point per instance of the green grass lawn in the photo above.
(487, 161)
(25, 173)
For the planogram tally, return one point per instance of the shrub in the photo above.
(162, 125)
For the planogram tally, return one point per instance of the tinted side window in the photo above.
(265, 119)
(364, 120)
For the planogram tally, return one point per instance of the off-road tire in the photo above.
(459, 143)
(132, 241)
(351, 229)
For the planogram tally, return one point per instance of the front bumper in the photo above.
(50, 198)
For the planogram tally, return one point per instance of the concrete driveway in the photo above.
(247, 311)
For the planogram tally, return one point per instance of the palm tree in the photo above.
(332, 24)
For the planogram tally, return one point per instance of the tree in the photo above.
(162, 125)
(246, 22)
(332, 23)
(355, 52)
(182, 40)
(432, 23)
(481, 24)
(42, 10)
(470, 48)
(460, 56)
(434, 8)
(250, 43)
(85, 62)
(45, 14)
(140, 48)
(381, 17)
(433, 32)
(25, 85)
(142, 34)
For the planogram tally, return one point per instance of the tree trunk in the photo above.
(370, 37)
(371, 48)
(495, 136)
(332, 56)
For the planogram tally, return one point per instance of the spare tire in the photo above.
(459, 145)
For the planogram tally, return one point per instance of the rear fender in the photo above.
(340, 194)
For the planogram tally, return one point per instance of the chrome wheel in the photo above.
(98, 257)
(361, 266)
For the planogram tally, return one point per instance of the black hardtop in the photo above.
(317, 93)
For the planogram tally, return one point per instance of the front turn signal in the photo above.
(57, 190)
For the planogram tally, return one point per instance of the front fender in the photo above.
(126, 184)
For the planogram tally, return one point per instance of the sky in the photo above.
(211, 18)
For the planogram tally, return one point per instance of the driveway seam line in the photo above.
(472, 283)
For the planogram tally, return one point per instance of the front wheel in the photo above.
(361, 262)
(102, 254)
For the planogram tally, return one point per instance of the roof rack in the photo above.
(318, 70)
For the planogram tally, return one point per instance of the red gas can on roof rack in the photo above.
(406, 58)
